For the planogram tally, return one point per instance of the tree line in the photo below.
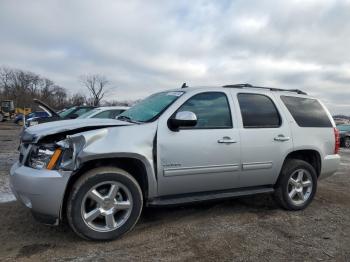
(23, 86)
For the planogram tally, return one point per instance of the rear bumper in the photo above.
(41, 191)
(330, 165)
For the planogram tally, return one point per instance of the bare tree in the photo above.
(22, 86)
(96, 84)
(77, 100)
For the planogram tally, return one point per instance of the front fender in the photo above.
(134, 141)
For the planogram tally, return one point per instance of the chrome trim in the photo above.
(257, 165)
(200, 170)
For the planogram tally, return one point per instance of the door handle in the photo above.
(226, 140)
(281, 138)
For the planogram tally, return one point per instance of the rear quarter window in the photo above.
(307, 112)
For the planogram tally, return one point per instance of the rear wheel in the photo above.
(2, 119)
(297, 185)
(104, 204)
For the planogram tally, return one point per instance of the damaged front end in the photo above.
(57, 151)
(49, 155)
(52, 153)
(73, 145)
(55, 145)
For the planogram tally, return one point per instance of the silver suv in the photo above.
(174, 147)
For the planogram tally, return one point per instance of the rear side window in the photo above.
(307, 112)
(258, 111)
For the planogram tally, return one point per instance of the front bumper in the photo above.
(41, 191)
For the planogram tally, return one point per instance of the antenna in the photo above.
(184, 85)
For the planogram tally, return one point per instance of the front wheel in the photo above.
(2, 118)
(104, 204)
(297, 185)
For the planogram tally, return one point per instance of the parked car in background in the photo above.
(70, 113)
(344, 131)
(175, 147)
(19, 118)
(105, 112)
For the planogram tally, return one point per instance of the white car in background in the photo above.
(105, 112)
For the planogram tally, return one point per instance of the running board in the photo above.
(199, 197)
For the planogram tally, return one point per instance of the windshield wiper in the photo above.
(127, 119)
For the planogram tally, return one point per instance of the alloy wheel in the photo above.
(106, 206)
(300, 186)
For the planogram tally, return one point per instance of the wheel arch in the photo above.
(311, 156)
(137, 167)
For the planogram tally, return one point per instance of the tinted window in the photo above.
(81, 111)
(258, 111)
(104, 114)
(115, 113)
(307, 112)
(211, 108)
(90, 113)
(66, 112)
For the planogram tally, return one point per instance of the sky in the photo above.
(148, 46)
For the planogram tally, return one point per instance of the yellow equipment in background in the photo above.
(25, 111)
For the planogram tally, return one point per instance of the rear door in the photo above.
(265, 138)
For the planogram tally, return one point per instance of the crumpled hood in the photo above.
(36, 132)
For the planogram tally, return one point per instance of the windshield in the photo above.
(343, 127)
(151, 107)
(90, 113)
(67, 112)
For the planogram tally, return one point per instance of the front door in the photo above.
(201, 158)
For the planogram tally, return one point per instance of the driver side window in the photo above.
(211, 108)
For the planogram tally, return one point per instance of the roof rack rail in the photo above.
(266, 88)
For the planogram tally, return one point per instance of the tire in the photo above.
(84, 204)
(2, 119)
(289, 180)
(347, 142)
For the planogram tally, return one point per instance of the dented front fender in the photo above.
(133, 141)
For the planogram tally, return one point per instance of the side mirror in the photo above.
(182, 119)
(73, 116)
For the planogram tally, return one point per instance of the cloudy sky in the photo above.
(146, 46)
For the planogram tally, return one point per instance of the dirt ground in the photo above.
(243, 229)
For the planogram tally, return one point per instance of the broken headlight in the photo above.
(59, 155)
(44, 156)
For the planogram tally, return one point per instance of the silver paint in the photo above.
(187, 160)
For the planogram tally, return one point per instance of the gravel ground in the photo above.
(244, 229)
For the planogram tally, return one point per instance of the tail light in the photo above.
(337, 140)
